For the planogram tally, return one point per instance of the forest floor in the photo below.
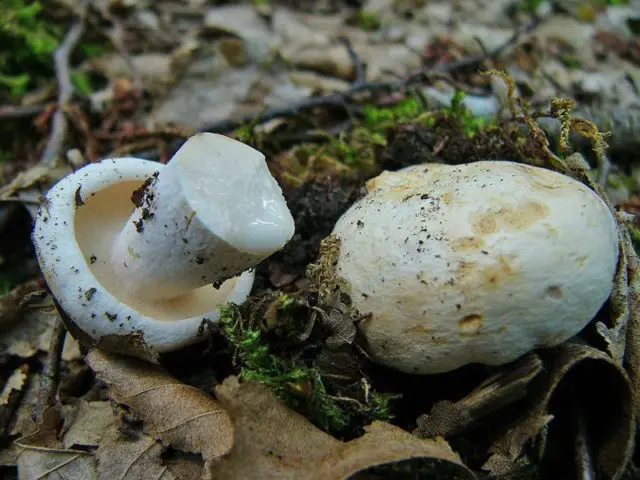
(333, 93)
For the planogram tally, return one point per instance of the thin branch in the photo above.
(65, 91)
(359, 67)
(50, 378)
(20, 111)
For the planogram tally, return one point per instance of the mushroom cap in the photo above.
(73, 235)
(475, 263)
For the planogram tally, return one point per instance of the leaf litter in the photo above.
(332, 97)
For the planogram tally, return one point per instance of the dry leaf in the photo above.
(448, 418)
(11, 303)
(42, 456)
(89, 424)
(177, 414)
(21, 421)
(622, 296)
(135, 456)
(36, 176)
(123, 458)
(587, 381)
(32, 333)
(15, 383)
(632, 351)
(275, 442)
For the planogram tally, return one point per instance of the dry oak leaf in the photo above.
(42, 455)
(176, 414)
(273, 442)
(121, 457)
(87, 424)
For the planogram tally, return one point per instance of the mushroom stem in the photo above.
(212, 212)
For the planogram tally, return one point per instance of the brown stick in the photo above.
(50, 378)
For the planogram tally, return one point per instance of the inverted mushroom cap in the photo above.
(133, 246)
(476, 263)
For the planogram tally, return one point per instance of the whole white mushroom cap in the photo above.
(476, 263)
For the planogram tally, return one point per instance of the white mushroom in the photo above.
(133, 246)
(478, 263)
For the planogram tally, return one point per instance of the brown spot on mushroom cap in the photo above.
(524, 215)
(466, 243)
(470, 324)
(517, 217)
(498, 274)
(419, 329)
(485, 224)
(439, 340)
(554, 291)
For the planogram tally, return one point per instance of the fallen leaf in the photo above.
(89, 424)
(15, 383)
(43, 456)
(581, 380)
(273, 442)
(614, 335)
(448, 418)
(123, 458)
(177, 414)
(35, 177)
(632, 330)
(11, 303)
(244, 22)
(30, 333)
(21, 421)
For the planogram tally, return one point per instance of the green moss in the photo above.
(364, 20)
(379, 118)
(28, 42)
(529, 5)
(635, 237)
(470, 123)
(297, 383)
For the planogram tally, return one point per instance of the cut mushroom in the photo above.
(478, 263)
(133, 246)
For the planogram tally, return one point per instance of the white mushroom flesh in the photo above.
(213, 211)
(477, 263)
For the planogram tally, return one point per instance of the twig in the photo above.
(359, 66)
(344, 98)
(59, 124)
(20, 111)
(51, 372)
